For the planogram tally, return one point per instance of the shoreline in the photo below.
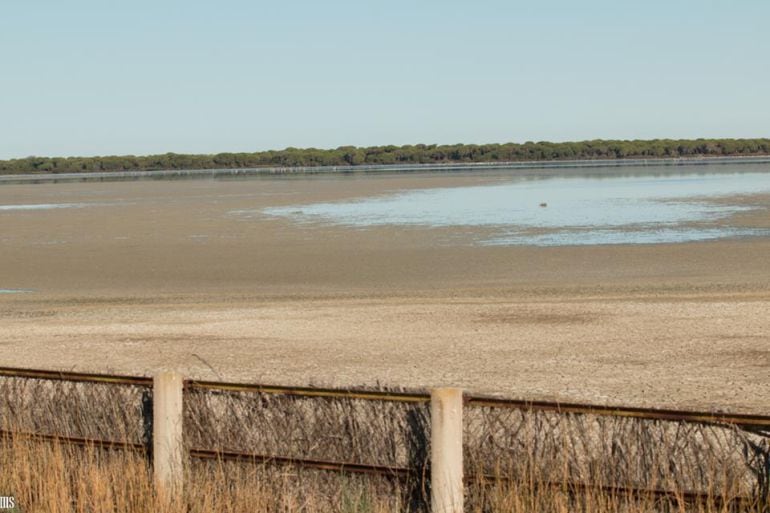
(161, 174)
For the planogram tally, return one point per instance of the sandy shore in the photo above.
(158, 274)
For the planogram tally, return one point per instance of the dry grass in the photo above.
(59, 478)
(518, 461)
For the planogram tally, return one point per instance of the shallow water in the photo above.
(42, 206)
(560, 210)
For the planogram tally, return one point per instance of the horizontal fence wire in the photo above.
(334, 466)
(738, 419)
(76, 441)
(77, 377)
(329, 393)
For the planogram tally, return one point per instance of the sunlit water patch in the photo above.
(43, 206)
(561, 210)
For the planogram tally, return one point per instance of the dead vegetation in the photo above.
(516, 461)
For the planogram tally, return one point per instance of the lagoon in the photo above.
(654, 206)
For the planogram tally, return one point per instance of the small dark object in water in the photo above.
(544, 205)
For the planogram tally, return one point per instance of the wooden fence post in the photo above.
(446, 450)
(167, 442)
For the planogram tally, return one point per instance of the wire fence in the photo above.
(386, 434)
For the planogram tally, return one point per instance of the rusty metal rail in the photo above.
(72, 440)
(403, 473)
(702, 417)
(77, 377)
(333, 466)
(329, 393)
(737, 419)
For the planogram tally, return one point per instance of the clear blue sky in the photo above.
(82, 77)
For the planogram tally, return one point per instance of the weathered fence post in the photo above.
(446, 450)
(167, 443)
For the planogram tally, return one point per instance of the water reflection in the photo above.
(562, 210)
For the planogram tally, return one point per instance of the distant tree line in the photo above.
(410, 154)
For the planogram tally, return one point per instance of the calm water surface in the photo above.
(560, 210)
(637, 205)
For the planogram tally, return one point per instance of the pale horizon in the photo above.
(87, 79)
